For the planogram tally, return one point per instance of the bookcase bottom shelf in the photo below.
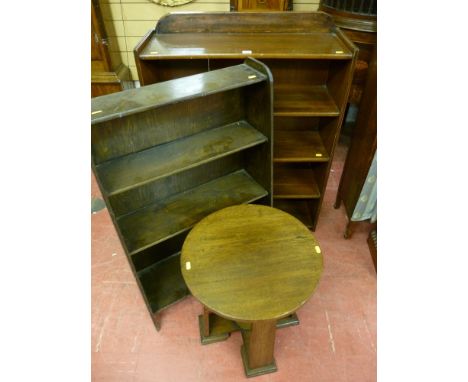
(162, 283)
(299, 208)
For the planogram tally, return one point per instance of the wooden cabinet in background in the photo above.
(312, 64)
(261, 5)
(358, 20)
(106, 78)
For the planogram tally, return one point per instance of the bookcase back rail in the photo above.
(253, 22)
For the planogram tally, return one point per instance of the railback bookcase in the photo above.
(312, 63)
(169, 154)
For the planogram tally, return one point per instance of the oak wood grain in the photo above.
(171, 216)
(299, 146)
(304, 100)
(263, 45)
(137, 169)
(293, 182)
(251, 262)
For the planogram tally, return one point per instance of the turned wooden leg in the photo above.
(257, 351)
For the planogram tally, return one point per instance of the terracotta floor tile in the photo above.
(335, 341)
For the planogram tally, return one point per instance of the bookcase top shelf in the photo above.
(132, 101)
(306, 35)
(241, 45)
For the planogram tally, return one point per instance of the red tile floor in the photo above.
(335, 341)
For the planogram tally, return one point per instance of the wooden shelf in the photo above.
(135, 170)
(163, 283)
(263, 45)
(299, 146)
(178, 213)
(304, 101)
(138, 100)
(294, 183)
(298, 208)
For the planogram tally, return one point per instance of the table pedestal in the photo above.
(258, 336)
(258, 348)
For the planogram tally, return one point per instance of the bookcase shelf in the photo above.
(178, 213)
(167, 155)
(162, 283)
(293, 182)
(300, 208)
(299, 146)
(293, 100)
(136, 169)
(312, 63)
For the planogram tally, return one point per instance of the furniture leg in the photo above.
(157, 320)
(209, 335)
(337, 200)
(257, 351)
(349, 229)
(206, 322)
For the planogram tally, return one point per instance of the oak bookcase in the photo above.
(169, 154)
(312, 63)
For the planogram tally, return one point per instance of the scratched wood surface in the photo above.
(251, 262)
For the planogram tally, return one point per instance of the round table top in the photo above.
(251, 262)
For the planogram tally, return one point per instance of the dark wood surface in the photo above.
(160, 161)
(311, 60)
(145, 98)
(362, 148)
(299, 146)
(260, 5)
(295, 182)
(173, 215)
(248, 22)
(251, 262)
(297, 100)
(358, 20)
(262, 45)
(254, 265)
(167, 155)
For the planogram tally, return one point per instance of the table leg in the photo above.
(206, 322)
(210, 330)
(257, 351)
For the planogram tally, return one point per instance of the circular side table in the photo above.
(251, 267)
